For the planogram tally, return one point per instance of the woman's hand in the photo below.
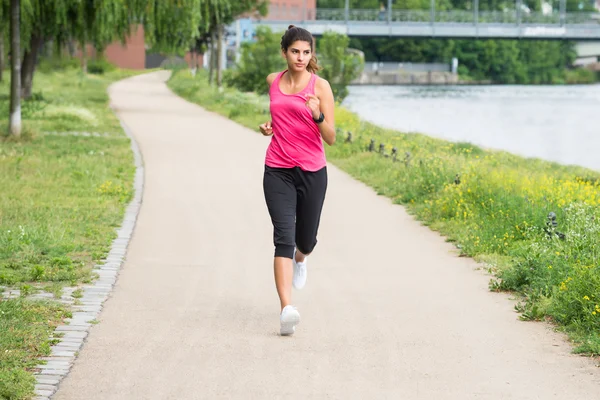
(266, 129)
(314, 104)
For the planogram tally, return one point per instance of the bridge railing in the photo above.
(452, 16)
(384, 67)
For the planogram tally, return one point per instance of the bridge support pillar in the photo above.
(347, 10)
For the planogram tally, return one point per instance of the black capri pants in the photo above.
(295, 199)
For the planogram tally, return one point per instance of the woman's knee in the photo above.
(306, 247)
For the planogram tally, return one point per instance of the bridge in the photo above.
(517, 23)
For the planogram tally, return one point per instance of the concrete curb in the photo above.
(77, 328)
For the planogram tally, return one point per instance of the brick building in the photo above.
(133, 54)
(292, 9)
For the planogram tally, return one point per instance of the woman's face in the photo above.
(298, 55)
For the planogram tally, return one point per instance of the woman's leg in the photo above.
(280, 196)
(310, 198)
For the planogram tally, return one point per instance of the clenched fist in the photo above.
(266, 129)
(314, 104)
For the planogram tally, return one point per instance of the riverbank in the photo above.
(577, 76)
(494, 206)
(65, 185)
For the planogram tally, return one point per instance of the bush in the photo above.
(100, 67)
(257, 60)
(580, 75)
(57, 63)
(340, 65)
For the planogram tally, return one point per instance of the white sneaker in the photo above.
(290, 317)
(299, 279)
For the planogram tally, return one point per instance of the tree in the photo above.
(257, 59)
(1, 53)
(340, 66)
(4, 11)
(170, 25)
(98, 22)
(41, 20)
(14, 124)
(218, 14)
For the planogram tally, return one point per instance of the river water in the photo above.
(555, 123)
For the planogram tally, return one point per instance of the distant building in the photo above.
(293, 10)
(132, 55)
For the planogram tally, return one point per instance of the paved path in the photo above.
(389, 310)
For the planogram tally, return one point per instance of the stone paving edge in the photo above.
(76, 329)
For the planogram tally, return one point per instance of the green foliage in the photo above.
(257, 60)
(171, 25)
(63, 194)
(76, 185)
(340, 66)
(581, 75)
(500, 61)
(99, 22)
(57, 63)
(100, 67)
(484, 5)
(25, 327)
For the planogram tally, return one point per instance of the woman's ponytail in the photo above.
(313, 65)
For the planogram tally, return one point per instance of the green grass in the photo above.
(25, 327)
(492, 205)
(63, 197)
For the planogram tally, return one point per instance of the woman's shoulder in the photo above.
(322, 84)
(271, 77)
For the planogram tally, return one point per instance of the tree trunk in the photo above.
(14, 124)
(193, 61)
(71, 48)
(84, 67)
(220, 29)
(29, 64)
(1, 54)
(212, 61)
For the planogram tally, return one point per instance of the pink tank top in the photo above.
(296, 140)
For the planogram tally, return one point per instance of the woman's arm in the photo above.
(266, 128)
(324, 103)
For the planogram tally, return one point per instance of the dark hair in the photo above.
(295, 33)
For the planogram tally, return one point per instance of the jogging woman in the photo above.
(295, 176)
